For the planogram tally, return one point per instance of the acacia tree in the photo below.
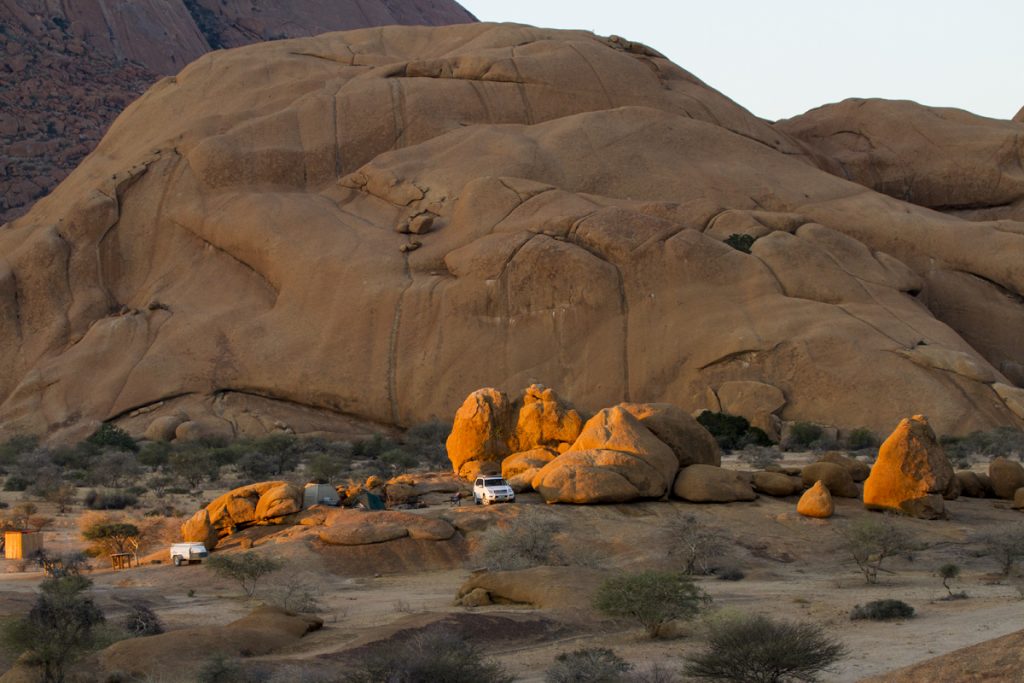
(113, 537)
(59, 628)
(870, 540)
(651, 598)
(245, 568)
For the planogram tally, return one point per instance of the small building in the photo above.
(319, 494)
(22, 545)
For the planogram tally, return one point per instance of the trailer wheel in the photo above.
(177, 560)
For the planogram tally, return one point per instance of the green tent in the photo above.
(370, 501)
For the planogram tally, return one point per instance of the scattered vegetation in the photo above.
(60, 628)
(526, 541)
(432, 655)
(871, 540)
(112, 436)
(587, 665)
(803, 435)
(1001, 441)
(1006, 547)
(651, 598)
(740, 242)
(732, 432)
(109, 500)
(245, 568)
(861, 439)
(694, 543)
(141, 620)
(762, 650)
(760, 457)
(883, 610)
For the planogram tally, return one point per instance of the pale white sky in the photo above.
(779, 58)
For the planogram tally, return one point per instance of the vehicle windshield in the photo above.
(495, 482)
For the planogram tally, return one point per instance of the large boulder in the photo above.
(481, 430)
(263, 503)
(520, 468)
(858, 470)
(615, 459)
(1006, 476)
(692, 444)
(776, 484)
(757, 401)
(836, 477)
(816, 502)
(199, 529)
(912, 473)
(707, 484)
(544, 420)
(543, 587)
(971, 485)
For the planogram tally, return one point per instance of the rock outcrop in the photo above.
(73, 67)
(692, 444)
(374, 223)
(614, 460)
(816, 502)
(356, 527)
(268, 502)
(912, 473)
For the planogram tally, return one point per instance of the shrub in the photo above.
(730, 574)
(295, 593)
(15, 446)
(587, 665)
(109, 500)
(860, 439)
(427, 441)
(155, 454)
(110, 435)
(870, 540)
(947, 573)
(526, 541)
(432, 655)
(1005, 441)
(762, 650)
(114, 469)
(732, 431)
(760, 457)
(740, 242)
(883, 610)
(802, 435)
(651, 598)
(372, 447)
(694, 543)
(141, 620)
(60, 627)
(193, 465)
(1005, 546)
(62, 495)
(16, 483)
(327, 468)
(398, 460)
(245, 568)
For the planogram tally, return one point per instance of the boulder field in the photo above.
(370, 224)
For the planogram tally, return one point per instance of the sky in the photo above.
(780, 58)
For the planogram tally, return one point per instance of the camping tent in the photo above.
(370, 501)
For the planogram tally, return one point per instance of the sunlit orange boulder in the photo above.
(816, 502)
(912, 473)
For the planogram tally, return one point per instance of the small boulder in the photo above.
(970, 484)
(205, 428)
(1006, 476)
(707, 484)
(857, 469)
(776, 484)
(912, 473)
(836, 477)
(692, 444)
(478, 597)
(816, 502)
(1018, 499)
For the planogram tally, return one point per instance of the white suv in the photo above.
(489, 490)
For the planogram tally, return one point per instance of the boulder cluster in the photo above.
(260, 504)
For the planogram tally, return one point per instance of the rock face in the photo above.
(75, 66)
(912, 473)
(707, 484)
(355, 527)
(245, 230)
(692, 444)
(614, 460)
(264, 503)
(816, 502)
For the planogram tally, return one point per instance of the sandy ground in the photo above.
(792, 565)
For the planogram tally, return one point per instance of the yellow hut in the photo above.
(20, 545)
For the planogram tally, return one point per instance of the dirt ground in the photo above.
(793, 568)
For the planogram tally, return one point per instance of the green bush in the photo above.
(651, 598)
(112, 436)
(741, 242)
(587, 665)
(761, 650)
(16, 483)
(15, 446)
(246, 568)
(435, 655)
(882, 610)
(803, 434)
(732, 431)
(860, 439)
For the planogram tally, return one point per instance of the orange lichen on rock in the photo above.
(912, 474)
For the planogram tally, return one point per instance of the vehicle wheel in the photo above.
(487, 501)
(177, 560)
